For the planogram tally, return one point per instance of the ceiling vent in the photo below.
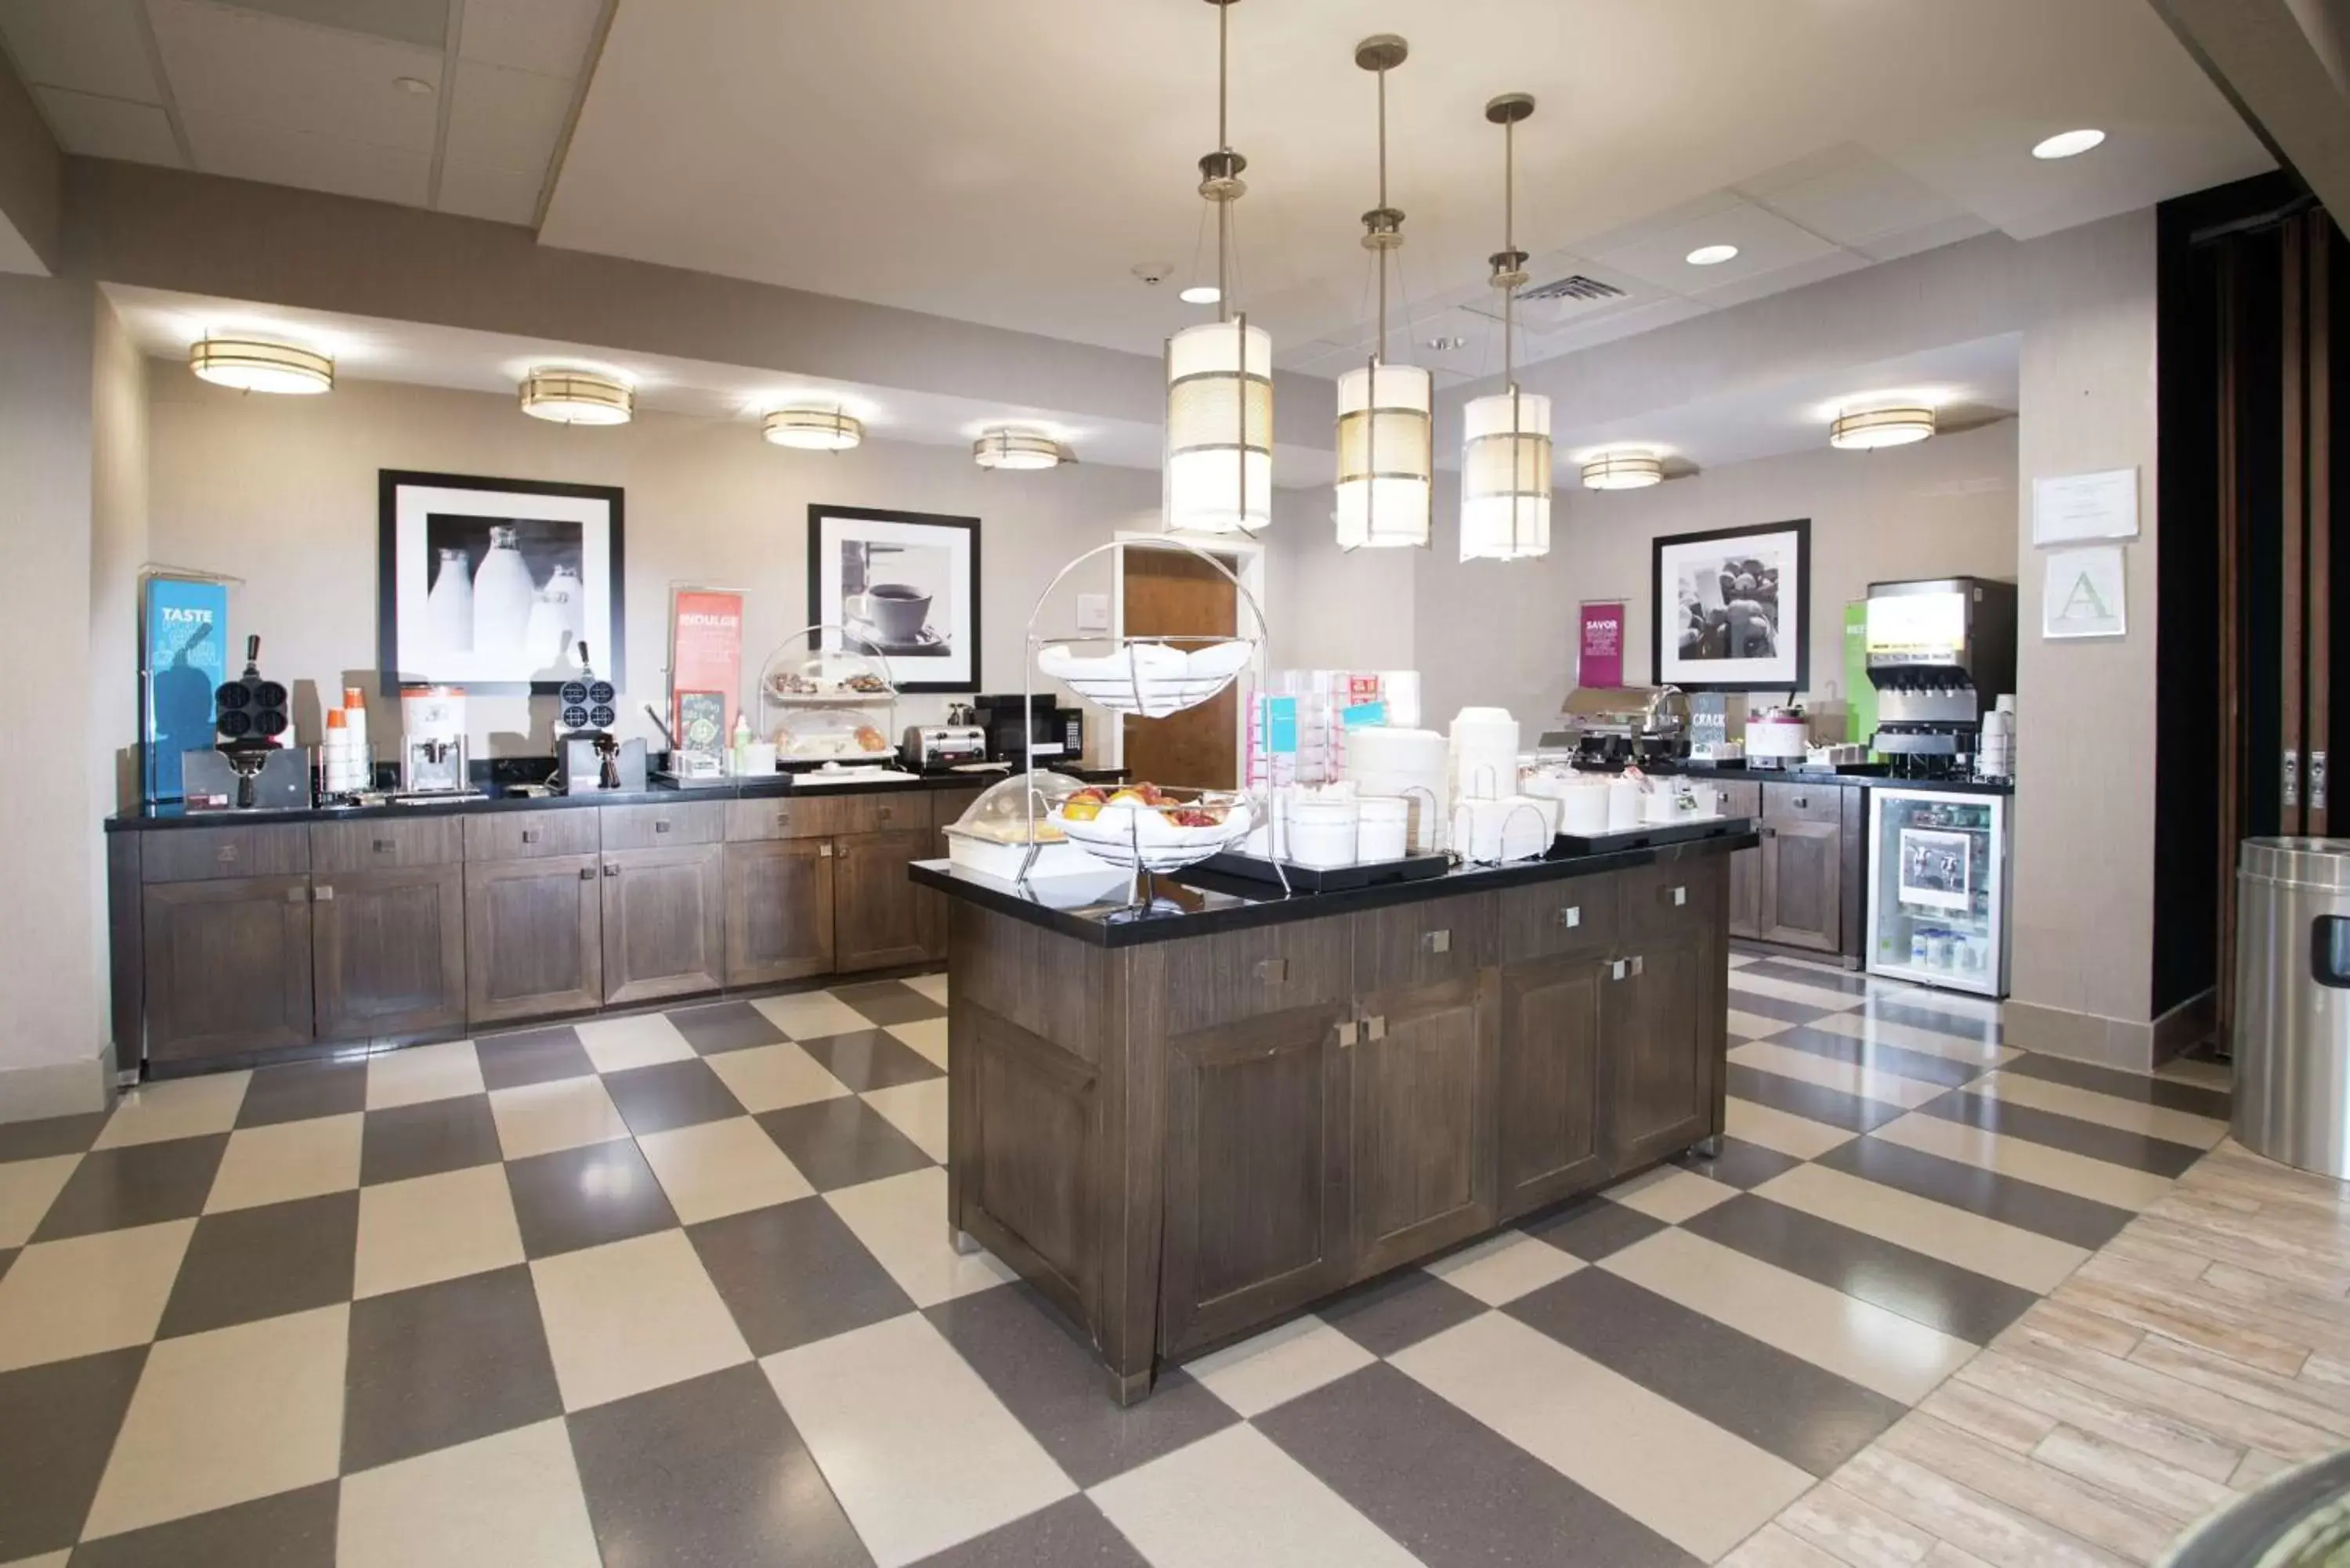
(1576, 288)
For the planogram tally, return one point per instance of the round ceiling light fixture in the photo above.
(577, 397)
(813, 430)
(1008, 447)
(1632, 469)
(1712, 255)
(1871, 429)
(1201, 294)
(2068, 144)
(258, 365)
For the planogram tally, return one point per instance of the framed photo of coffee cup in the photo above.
(902, 584)
(1729, 609)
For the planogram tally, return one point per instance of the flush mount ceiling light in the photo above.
(256, 365)
(1219, 477)
(1630, 469)
(813, 430)
(1387, 458)
(1505, 446)
(577, 397)
(1005, 447)
(416, 85)
(1201, 294)
(1712, 255)
(1869, 429)
(2068, 144)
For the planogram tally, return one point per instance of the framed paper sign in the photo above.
(1730, 608)
(904, 585)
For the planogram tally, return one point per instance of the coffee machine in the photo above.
(1939, 652)
(250, 768)
(588, 756)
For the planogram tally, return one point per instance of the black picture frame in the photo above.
(1786, 673)
(610, 661)
(905, 671)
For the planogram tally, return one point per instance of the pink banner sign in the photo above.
(1600, 646)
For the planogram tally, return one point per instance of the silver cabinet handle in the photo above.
(383, 846)
(1375, 1027)
(586, 873)
(1802, 803)
(1638, 964)
(1437, 942)
(530, 835)
(1681, 897)
(825, 850)
(662, 826)
(324, 893)
(1348, 1032)
(1273, 972)
(1570, 916)
(226, 853)
(1623, 968)
(610, 870)
(297, 895)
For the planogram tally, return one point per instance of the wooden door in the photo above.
(779, 902)
(389, 951)
(877, 921)
(664, 920)
(1801, 891)
(1742, 798)
(227, 967)
(534, 937)
(1661, 1034)
(1170, 593)
(1550, 1034)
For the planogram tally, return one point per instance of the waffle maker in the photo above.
(587, 756)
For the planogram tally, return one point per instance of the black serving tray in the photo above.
(1328, 879)
(1652, 837)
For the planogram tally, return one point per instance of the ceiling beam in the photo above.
(31, 182)
(2282, 64)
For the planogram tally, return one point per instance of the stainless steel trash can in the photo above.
(2292, 1001)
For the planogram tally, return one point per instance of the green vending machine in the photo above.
(1860, 693)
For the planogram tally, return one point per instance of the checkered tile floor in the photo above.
(676, 1288)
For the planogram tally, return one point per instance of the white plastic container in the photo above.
(1583, 806)
(1408, 763)
(1384, 828)
(1484, 753)
(1322, 830)
(1623, 804)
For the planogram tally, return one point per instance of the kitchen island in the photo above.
(1185, 1122)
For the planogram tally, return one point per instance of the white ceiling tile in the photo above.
(424, 22)
(95, 127)
(1925, 237)
(549, 36)
(226, 63)
(506, 118)
(1853, 205)
(1765, 243)
(247, 150)
(479, 191)
(1825, 264)
(88, 46)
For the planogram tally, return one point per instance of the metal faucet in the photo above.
(1679, 716)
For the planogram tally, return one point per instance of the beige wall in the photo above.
(31, 182)
(118, 549)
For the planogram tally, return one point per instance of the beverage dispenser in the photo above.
(1940, 652)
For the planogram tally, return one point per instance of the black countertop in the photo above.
(1823, 776)
(1197, 903)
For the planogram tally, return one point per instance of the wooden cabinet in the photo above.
(778, 911)
(1555, 943)
(877, 921)
(1803, 872)
(1663, 1014)
(226, 963)
(1740, 798)
(664, 922)
(533, 936)
(389, 951)
(947, 807)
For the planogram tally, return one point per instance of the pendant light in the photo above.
(1219, 476)
(1505, 444)
(1386, 451)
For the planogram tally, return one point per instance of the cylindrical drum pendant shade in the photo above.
(1386, 455)
(1505, 477)
(1220, 428)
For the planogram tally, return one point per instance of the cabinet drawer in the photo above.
(1802, 802)
(1219, 980)
(664, 826)
(1738, 798)
(204, 853)
(1423, 944)
(533, 835)
(1558, 917)
(818, 815)
(1669, 898)
(338, 847)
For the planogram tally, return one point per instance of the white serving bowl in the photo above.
(1153, 679)
(1142, 836)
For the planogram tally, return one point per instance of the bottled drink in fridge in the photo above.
(503, 596)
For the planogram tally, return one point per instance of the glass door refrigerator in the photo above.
(1937, 888)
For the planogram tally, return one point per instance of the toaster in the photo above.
(929, 748)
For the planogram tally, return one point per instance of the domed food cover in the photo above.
(1002, 814)
(837, 704)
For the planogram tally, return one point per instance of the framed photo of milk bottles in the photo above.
(904, 585)
(492, 584)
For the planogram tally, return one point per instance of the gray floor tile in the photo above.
(670, 1094)
(428, 1139)
(1591, 1227)
(1452, 1490)
(114, 1189)
(290, 1529)
(1923, 1065)
(1740, 1164)
(532, 1056)
(1071, 1534)
(1846, 980)
(57, 1423)
(586, 1196)
(1810, 1101)
(1778, 1402)
(7, 1256)
(1050, 1376)
(301, 1090)
(841, 1142)
(1391, 1314)
(2083, 1222)
(2114, 1146)
(724, 1026)
(793, 1274)
(49, 1136)
(2171, 1096)
(443, 1364)
(869, 1059)
(708, 1471)
(251, 1264)
(1777, 1007)
(888, 1001)
(1925, 1290)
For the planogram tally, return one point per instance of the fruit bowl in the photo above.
(1144, 827)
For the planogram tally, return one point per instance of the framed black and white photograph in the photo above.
(1730, 608)
(1936, 869)
(904, 585)
(492, 584)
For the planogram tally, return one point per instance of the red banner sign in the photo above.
(705, 644)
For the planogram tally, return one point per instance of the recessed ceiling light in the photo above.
(1201, 294)
(416, 85)
(256, 365)
(1711, 255)
(577, 397)
(2068, 144)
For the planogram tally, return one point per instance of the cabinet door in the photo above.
(389, 951)
(227, 967)
(1551, 1022)
(876, 919)
(534, 937)
(1802, 884)
(1662, 1032)
(1423, 1079)
(778, 911)
(664, 922)
(1746, 892)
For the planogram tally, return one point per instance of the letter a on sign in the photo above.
(2083, 594)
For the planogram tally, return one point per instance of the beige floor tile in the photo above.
(2086, 1105)
(1701, 1488)
(918, 1452)
(1670, 1194)
(421, 1072)
(1267, 1509)
(1844, 1077)
(769, 1077)
(46, 1560)
(1754, 1026)
(812, 1015)
(1817, 996)
(1773, 1547)
(226, 1416)
(2027, 1161)
(540, 1118)
(27, 1188)
(722, 1168)
(1876, 1030)
(435, 1228)
(175, 1107)
(2201, 1074)
(918, 1110)
(1277, 1365)
(1503, 1267)
(1862, 1344)
(929, 1036)
(1799, 1136)
(78, 1297)
(1945, 1510)
(933, 986)
(512, 1499)
(1740, 961)
(289, 1160)
(2039, 1492)
(902, 1221)
(2022, 1257)
(646, 1040)
(1856, 1531)
(632, 1315)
